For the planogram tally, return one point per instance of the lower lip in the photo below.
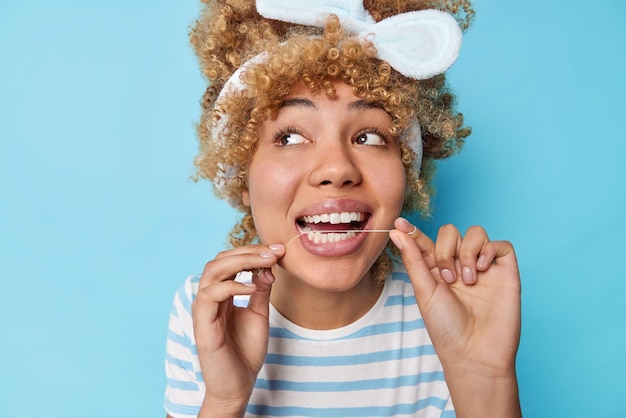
(333, 249)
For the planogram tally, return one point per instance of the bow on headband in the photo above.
(418, 44)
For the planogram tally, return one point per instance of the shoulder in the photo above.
(180, 323)
(186, 294)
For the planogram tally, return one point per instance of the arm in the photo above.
(468, 291)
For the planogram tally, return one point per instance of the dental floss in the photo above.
(340, 231)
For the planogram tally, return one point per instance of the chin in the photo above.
(331, 274)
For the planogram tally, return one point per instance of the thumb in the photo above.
(260, 299)
(421, 277)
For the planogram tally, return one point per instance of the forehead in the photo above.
(342, 95)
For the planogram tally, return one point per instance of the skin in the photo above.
(473, 318)
(343, 166)
(467, 287)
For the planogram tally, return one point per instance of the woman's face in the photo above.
(326, 164)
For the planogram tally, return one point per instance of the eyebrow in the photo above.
(308, 104)
(302, 103)
(363, 105)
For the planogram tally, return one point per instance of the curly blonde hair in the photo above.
(229, 33)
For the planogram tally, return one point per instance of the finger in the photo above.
(471, 246)
(254, 248)
(206, 306)
(415, 264)
(424, 243)
(446, 251)
(260, 299)
(496, 252)
(232, 262)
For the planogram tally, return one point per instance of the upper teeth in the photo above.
(334, 218)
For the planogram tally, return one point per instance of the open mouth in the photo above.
(332, 227)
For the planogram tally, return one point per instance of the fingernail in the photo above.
(481, 262)
(267, 255)
(407, 226)
(447, 276)
(396, 240)
(267, 276)
(468, 275)
(276, 247)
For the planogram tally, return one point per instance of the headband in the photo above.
(419, 44)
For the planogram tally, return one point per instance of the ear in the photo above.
(245, 198)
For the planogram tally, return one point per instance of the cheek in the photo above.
(269, 181)
(400, 190)
(391, 184)
(272, 189)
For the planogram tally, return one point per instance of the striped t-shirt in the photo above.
(382, 365)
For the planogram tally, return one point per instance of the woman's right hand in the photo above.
(232, 341)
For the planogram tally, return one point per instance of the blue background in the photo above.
(100, 222)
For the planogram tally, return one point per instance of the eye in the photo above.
(370, 138)
(288, 137)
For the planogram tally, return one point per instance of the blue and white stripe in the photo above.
(383, 365)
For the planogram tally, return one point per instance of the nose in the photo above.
(335, 165)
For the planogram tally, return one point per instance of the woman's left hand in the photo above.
(468, 291)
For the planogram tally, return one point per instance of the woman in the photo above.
(321, 125)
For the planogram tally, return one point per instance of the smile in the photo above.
(332, 227)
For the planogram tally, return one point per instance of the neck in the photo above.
(322, 309)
